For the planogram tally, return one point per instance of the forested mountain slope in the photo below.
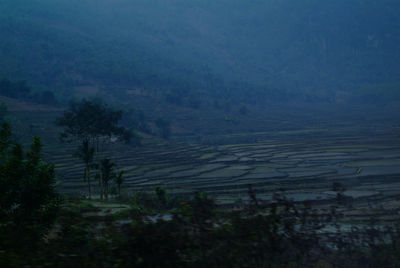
(343, 50)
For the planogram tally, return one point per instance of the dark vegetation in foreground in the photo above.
(195, 233)
(39, 229)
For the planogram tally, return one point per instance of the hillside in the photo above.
(313, 51)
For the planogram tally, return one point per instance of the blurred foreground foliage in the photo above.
(161, 231)
(28, 200)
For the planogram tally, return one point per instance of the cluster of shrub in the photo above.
(21, 90)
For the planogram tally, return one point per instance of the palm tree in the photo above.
(119, 179)
(106, 174)
(86, 153)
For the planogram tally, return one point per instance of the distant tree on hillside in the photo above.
(47, 97)
(18, 89)
(3, 111)
(164, 127)
(135, 119)
(173, 98)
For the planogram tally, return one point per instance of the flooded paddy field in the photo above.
(305, 166)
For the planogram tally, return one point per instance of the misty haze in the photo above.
(199, 133)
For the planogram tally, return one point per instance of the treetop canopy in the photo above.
(91, 120)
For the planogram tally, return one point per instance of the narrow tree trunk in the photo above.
(88, 181)
(101, 187)
(106, 191)
(90, 194)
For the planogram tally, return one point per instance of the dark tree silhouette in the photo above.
(88, 120)
(28, 200)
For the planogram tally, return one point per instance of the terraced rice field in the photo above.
(305, 164)
(306, 169)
